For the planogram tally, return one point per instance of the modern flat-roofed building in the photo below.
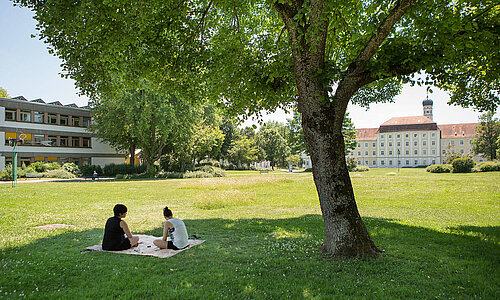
(51, 132)
(413, 141)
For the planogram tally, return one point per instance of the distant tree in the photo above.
(273, 143)
(3, 93)
(230, 131)
(349, 133)
(243, 152)
(206, 141)
(488, 133)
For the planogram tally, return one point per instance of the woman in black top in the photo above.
(117, 236)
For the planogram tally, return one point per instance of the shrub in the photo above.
(89, 170)
(58, 173)
(52, 166)
(170, 175)
(463, 165)
(113, 169)
(439, 169)
(209, 162)
(308, 170)
(71, 167)
(197, 174)
(6, 174)
(351, 164)
(361, 169)
(487, 166)
(39, 166)
(452, 156)
(216, 172)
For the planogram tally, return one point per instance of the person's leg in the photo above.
(171, 245)
(160, 244)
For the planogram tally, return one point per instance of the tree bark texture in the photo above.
(345, 232)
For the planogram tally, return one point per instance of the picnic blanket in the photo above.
(146, 247)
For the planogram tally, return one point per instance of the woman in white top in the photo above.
(176, 230)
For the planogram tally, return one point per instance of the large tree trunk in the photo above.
(322, 118)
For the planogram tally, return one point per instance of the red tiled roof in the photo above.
(366, 134)
(408, 121)
(458, 130)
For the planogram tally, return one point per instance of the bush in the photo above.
(209, 162)
(39, 166)
(308, 170)
(52, 166)
(170, 175)
(487, 166)
(439, 169)
(6, 174)
(70, 167)
(59, 173)
(197, 174)
(216, 172)
(113, 169)
(351, 164)
(452, 156)
(361, 169)
(89, 170)
(462, 165)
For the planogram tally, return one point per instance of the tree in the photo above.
(147, 119)
(243, 152)
(488, 132)
(273, 143)
(3, 93)
(254, 55)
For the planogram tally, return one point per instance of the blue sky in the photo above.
(26, 68)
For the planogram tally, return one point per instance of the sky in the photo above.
(27, 69)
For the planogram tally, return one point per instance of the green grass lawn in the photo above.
(440, 233)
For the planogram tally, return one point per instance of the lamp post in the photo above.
(13, 144)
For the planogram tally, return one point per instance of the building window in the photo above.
(416, 162)
(382, 136)
(433, 161)
(10, 115)
(38, 116)
(425, 162)
(444, 151)
(407, 162)
(424, 143)
(38, 138)
(433, 134)
(407, 152)
(52, 119)
(374, 162)
(398, 136)
(374, 153)
(390, 163)
(425, 152)
(415, 143)
(63, 141)
(433, 152)
(366, 144)
(416, 152)
(415, 135)
(390, 136)
(359, 162)
(25, 116)
(382, 144)
(399, 144)
(461, 142)
(406, 135)
(53, 140)
(75, 121)
(359, 145)
(462, 151)
(366, 162)
(75, 141)
(390, 152)
(452, 143)
(390, 144)
(382, 163)
(86, 142)
(382, 152)
(86, 122)
(63, 120)
(359, 153)
(423, 135)
(86, 161)
(366, 153)
(433, 143)
(374, 145)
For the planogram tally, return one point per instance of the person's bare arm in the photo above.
(166, 227)
(124, 226)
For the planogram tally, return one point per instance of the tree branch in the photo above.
(378, 38)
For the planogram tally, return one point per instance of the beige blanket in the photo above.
(146, 247)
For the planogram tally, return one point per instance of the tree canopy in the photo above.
(488, 134)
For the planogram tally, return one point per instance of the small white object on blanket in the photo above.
(146, 247)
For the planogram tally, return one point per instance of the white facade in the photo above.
(51, 133)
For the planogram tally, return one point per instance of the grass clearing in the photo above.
(440, 233)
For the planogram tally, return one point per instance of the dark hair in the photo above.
(167, 212)
(119, 209)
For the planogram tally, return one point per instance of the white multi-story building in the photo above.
(50, 132)
(413, 141)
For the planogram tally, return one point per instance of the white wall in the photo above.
(102, 161)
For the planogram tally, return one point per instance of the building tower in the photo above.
(427, 103)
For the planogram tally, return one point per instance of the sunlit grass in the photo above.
(440, 233)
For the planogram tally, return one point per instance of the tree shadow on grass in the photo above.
(261, 258)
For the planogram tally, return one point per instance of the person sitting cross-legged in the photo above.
(177, 231)
(117, 236)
